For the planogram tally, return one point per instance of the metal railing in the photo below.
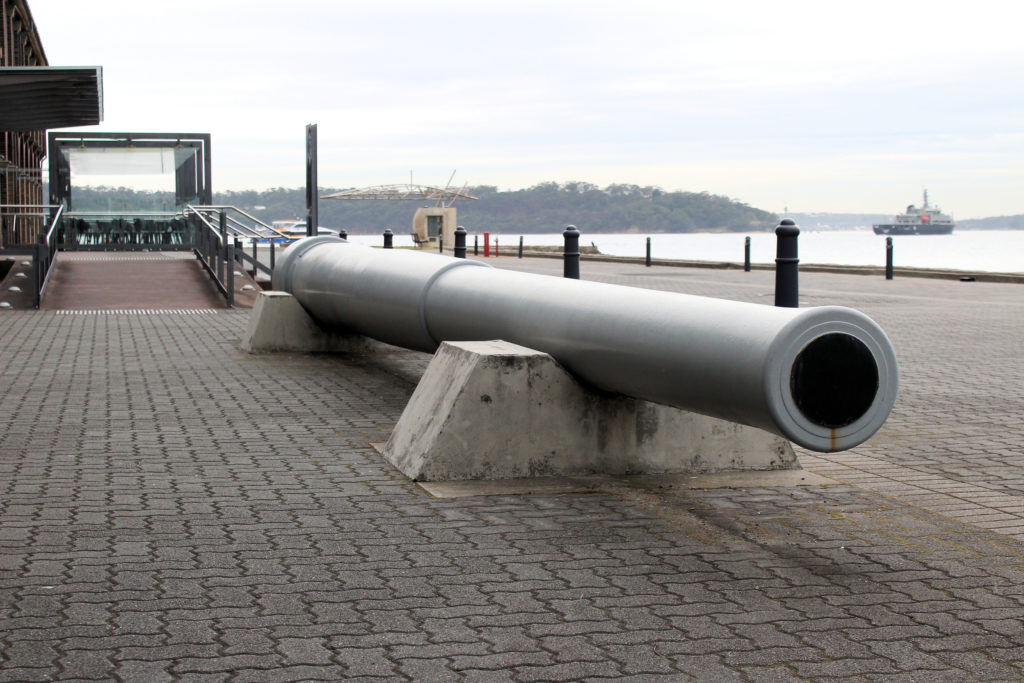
(214, 250)
(44, 250)
(241, 226)
(216, 236)
(253, 229)
(253, 259)
(46, 255)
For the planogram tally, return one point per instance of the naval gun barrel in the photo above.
(823, 377)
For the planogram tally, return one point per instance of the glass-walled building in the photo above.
(128, 190)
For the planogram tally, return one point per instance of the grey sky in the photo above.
(818, 106)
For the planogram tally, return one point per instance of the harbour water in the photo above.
(997, 251)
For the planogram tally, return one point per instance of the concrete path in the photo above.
(954, 441)
(173, 509)
(106, 280)
(153, 281)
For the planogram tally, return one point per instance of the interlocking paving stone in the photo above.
(174, 509)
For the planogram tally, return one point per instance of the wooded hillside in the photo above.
(547, 207)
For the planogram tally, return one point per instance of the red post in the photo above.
(487, 244)
(495, 246)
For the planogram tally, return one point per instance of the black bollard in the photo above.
(888, 258)
(746, 255)
(388, 238)
(476, 245)
(571, 254)
(460, 242)
(787, 289)
(520, 246)
(647, 261)
(440, 244)
(343, 234)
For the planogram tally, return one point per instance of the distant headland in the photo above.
(544, 208)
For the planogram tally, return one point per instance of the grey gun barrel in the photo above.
(823, 377)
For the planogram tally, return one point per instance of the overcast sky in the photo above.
(815, 106)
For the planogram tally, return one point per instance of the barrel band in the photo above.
(426, 291)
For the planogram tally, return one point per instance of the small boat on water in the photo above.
(924, 220)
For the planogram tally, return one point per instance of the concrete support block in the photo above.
(496, 410)
(279, 323)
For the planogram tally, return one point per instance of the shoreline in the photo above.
(898, 271)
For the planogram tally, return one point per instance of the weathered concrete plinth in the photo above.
(279, 323)
(496, 410)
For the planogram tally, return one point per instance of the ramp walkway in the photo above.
(160, 280)
(139, 280)
(113, 260)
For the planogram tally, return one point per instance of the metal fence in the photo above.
(44, 250)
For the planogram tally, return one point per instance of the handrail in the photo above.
(53, 224)
(232, 226)
(219, 207)
(44, 249)
(242, 229)
(126, 212)
(200, 216)
(215, 253)
(46, 256)
(234, 221)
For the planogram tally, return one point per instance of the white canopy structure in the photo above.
(403, 192)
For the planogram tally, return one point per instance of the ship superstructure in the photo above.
(923, 220)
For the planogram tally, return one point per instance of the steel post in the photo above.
(229, 282)
(746, 254)
(312, 197)
(222, 250)
(647, 261)
(37, 272)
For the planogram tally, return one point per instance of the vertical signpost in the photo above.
(312, 217)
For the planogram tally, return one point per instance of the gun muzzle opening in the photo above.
(834, 380)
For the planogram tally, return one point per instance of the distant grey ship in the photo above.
(926, 220)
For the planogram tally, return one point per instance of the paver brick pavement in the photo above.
(173, 509)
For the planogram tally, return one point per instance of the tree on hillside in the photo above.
(545, 207)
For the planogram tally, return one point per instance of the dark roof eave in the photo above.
(44, 97)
